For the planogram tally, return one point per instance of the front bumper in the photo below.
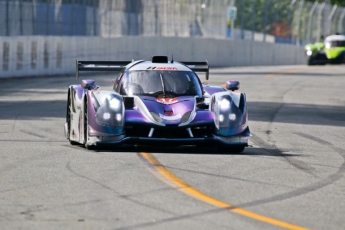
(240, 139)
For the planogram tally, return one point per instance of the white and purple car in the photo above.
(156, 102)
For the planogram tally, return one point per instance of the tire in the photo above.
(238, 149)
(86, 131)
(222, 148)
(85, 126)
(311, 61)
(69, 121)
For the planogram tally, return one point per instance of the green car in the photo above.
(331, 51)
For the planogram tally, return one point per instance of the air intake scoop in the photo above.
(159, 59)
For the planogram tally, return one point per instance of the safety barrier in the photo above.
(47, 55)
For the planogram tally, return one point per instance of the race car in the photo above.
(156, 102)
(331, 51)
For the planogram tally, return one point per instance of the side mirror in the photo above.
(89, 84)
(232, 85)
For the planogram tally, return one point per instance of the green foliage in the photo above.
(272, 17)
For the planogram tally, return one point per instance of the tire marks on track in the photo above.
(176, 216)
(126, 197)
(304, 167)
(169, 177)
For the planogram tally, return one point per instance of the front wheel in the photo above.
(310, 60)
(222, 148)
(69, 125)
(86, 126)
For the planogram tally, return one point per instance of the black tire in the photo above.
(237, 149)
(69, 121)
(90, 147)
(222, 148)
(74, 143)
(310, 60)
(85, 126)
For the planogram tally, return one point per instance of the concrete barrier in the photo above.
(47, 55)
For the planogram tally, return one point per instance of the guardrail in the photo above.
(47, 55)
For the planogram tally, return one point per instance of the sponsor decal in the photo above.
(167, 101)
(167, 68)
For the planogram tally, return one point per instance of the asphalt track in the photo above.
(291, 176)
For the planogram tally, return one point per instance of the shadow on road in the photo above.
(187, 150)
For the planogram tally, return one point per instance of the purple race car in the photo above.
(157, 101)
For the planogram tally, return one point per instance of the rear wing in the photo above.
(198, 67)
(100, 66)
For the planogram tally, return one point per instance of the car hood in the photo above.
(173, 111)
(334, 52)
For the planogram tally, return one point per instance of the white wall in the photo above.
(57, 55)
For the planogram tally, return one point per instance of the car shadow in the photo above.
(187, 150)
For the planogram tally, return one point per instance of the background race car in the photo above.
(331, 51)
(157, 101)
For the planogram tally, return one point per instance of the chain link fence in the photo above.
(279, 21)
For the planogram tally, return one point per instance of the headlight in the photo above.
(118, 117)
(110, 113)
(221, 118)
(309, 52)
(228, 115)
(106, 116)
(225, 104)
(114, 103)
(232, 116)
(328, 45)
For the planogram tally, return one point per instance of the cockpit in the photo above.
(158, 83)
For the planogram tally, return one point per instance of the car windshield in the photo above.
(161, 83)
(338, 43)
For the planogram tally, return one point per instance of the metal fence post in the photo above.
(329, 19)
(293, 20)
(253, 18)
(21, 17)
(310, 15)
(7, 19)
(94, 23)
(33, 17)
(292, 6)
(265, 18)
(242, 18)
(233, 2)
(319, 22)
(165, 19)
(299, 22)
(276, 14)
(340, 23)
(47, 17)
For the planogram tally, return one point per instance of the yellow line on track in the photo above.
(171, 177)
